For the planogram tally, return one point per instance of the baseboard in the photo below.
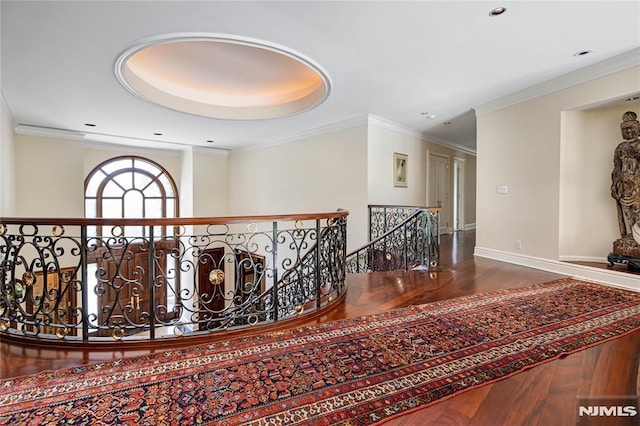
(583, 259)
(469, 226)
(614, 278)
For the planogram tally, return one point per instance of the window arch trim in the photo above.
(109, 176)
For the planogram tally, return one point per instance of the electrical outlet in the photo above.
(518, 245)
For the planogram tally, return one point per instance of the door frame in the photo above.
(445, 227)
(458, 193)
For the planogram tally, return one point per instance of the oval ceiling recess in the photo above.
(222, 76)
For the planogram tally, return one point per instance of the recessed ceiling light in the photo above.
(210, 141)
(583, 53)
(633, 98)
(222, 76)
(497, 11)
(157, 134)
(89, 124)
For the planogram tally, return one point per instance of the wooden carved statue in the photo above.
(625, 189)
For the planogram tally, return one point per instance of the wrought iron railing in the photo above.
(401, 237)
(83, 280)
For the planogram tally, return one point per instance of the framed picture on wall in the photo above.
(399, 170)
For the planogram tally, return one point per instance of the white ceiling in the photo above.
(392, 59)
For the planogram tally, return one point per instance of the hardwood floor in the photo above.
(545, 395)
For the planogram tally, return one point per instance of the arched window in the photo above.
(130, 187)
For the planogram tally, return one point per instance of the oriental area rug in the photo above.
(357, 371)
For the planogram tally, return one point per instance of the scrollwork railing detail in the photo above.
(401, 238)
(146, 279)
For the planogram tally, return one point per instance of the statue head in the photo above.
(630, 126)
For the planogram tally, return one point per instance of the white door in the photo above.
(439, 189)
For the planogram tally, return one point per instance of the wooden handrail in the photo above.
(394, 206)
(169, 221)
(386, 234)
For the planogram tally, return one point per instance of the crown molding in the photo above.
(137, 149)
(626, 60)
(107, 141)
(139, 143)
(210, 150)
(102, 140)
(450, 145)
(393, 126)
(407, 131)
(48, 132)
(337, 126)
(119, 149)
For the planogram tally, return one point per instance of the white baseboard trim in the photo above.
(583, 259)
(613, 278)
(469, 226)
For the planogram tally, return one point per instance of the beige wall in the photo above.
(187, 183)
(316, 174)
(204, 188)
(521, 146)
(210, 183)
(7, 178)
(49, 177)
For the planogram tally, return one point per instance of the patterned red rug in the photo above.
(357, 371)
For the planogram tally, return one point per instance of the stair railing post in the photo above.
(424, 235)
(152, 287)
(384, 215)
(275, 270)
(317, 262)
(84, 288)
(405, 251)
(434, 240)
(370, 221)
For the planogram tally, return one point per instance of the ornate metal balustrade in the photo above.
(400, 237)
(81, 280)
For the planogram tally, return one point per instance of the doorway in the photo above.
(439, 188)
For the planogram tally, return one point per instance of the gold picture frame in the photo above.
(400, 170)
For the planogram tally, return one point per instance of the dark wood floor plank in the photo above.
(610, 376)
(460, 411)
(530, 396)
(502, 396)
(562, 391)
